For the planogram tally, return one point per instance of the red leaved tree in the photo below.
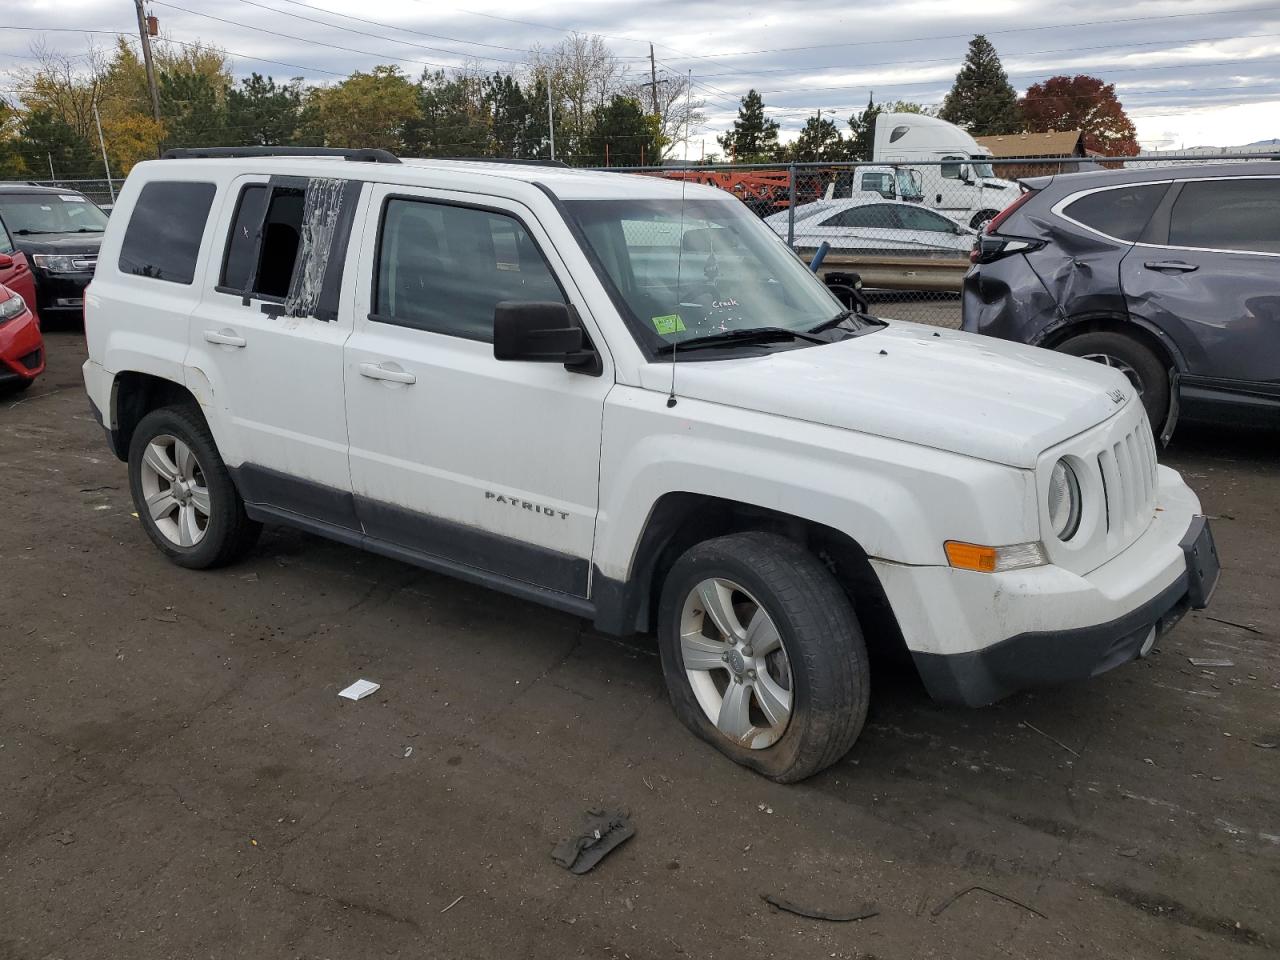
(1081, 103)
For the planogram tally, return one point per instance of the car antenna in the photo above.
(671, 397)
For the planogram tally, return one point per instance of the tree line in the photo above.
(600, 117)
(579, 87)
(981, 100)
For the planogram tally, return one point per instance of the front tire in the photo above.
(762, 654)
(184, 495)
(1136, 361)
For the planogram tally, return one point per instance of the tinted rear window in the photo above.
(163, 237)
(1121, 212)
(1227, 215)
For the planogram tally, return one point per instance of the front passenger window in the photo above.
(443, 268)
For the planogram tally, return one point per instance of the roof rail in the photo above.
(512, 160)
(362, 155)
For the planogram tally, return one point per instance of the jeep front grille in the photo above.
(1128, 468)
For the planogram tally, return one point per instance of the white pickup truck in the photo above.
(627, 399)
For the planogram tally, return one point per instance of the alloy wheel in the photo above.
(736, 663)
(175, 492)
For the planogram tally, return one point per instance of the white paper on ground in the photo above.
(359, 690)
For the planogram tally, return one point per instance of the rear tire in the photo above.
(811, 657)
(183, 492)
(1138, 362)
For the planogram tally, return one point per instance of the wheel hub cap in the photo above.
(735, 663)
(174, 491)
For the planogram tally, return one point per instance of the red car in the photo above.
(21, 346)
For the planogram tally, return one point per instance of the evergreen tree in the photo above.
(263, 114)
(819, 141)
(194, 110)
(514, 132)
(754, 137)
(46, 139)
(982, 100)
(629, 133)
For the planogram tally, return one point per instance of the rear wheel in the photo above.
(184, 494)
(1135, 360)
(762, 654)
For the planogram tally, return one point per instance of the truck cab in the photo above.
(954, 170)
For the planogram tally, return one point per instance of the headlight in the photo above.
(11, 308)
(58, 263)
(1064, 501)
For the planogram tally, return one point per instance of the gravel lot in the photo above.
(178, 777)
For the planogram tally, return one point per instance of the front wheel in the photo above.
(762, 654)
(183, 492)
(1137, 362)
(981, 218)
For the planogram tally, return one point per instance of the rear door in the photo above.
(266, 341)
(1207, 272)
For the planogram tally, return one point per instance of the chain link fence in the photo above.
(101, 192)
(905, 228)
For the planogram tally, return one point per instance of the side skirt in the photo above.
(578, 606)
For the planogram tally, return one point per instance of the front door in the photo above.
(1207, 273)
(488, 465)
(266, 342)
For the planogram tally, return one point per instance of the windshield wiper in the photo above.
(748, 335)
(27, 232)
(863, 321)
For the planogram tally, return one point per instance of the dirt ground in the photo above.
(178, 777)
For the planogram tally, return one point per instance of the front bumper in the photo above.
(61, 294)
(977, 638)
(21, 349)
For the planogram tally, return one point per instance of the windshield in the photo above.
(711, 267)
(28, 213)
(983, 170)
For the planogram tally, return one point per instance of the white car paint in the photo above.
(869, 223)
(902, 439)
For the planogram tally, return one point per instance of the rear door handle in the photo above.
(380, 371)
(226, 337)
(1179, 265)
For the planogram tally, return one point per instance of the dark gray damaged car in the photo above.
(1171, 274)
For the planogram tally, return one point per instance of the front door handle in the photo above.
(1180, 266)
(379, 371)
(226, 337)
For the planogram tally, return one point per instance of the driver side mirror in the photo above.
(6, 261)
(542, 332)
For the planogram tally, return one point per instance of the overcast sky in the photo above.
(1189, 72)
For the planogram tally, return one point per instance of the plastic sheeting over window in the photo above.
(327, 213)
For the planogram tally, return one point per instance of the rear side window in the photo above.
(444, 268)
(877, 216)
(162, 240)
(1227, 215)
(1121, 212)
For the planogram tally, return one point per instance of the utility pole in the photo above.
(551, 117)
(688, 109)
(145, 35)
(653, 79)
(103, 144)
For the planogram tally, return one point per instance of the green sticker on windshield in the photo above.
(669, 324)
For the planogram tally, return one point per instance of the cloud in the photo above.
(1187, 70)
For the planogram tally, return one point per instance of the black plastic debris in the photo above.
(604, 831)
(864, 911)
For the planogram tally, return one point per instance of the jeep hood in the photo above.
(963, 393)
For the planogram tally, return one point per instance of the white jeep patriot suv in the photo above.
(624, 397)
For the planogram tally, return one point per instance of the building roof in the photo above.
(1055, 143)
